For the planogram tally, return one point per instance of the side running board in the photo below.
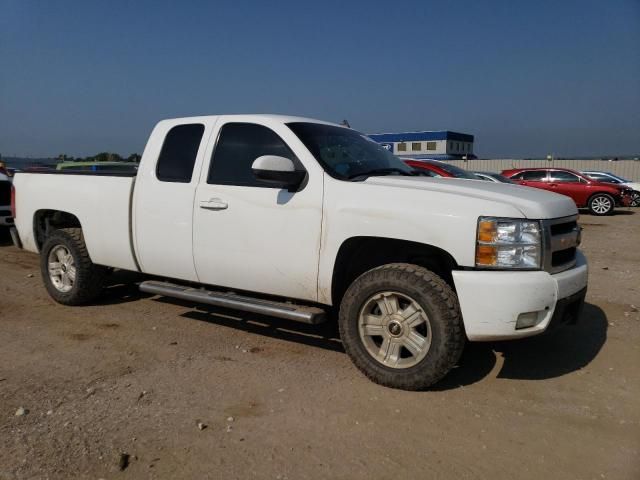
(288, 311)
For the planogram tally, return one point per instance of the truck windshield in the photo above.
(346, 154)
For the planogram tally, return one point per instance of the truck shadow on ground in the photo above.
(122, 286)
(564, 350)
(324, 336)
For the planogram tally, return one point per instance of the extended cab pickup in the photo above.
(289, 217)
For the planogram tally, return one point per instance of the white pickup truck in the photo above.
(299, 218)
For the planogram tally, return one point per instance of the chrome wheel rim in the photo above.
(61, 267)
(635, 200)
(601, 204)
(394, 329)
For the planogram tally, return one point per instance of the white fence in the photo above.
(629, 169)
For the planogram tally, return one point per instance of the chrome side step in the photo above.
(288, 311)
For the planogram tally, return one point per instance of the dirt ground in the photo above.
(135, 374)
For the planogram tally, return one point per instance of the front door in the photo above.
(248, 235)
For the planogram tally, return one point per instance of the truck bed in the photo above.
(92, 173)
(100, 200)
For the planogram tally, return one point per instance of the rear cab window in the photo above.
(178, 154)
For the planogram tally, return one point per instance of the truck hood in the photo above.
(534, 203)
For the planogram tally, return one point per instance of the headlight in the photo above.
(508, 243)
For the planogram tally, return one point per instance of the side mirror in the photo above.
(278, 171)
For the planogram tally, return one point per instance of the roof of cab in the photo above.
(248, 117)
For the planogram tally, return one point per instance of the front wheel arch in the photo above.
(357, 255)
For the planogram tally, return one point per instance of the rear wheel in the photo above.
(401, 325)
(601, 204)
(69, 275)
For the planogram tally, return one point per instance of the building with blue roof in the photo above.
(439, 145)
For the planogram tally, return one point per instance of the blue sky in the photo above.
(526, 78)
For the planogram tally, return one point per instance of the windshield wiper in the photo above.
(379, 172)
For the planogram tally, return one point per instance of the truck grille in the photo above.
(561, 237)
(5, 193)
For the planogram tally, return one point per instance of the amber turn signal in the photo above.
(487, 231)
(486, 255)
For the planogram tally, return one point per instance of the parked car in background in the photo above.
(599, 197)
(440, 169)
(6, 217)
(37, 168)
(493, 177)
(608, 177)
(98, 166)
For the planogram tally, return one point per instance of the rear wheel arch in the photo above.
(358, 255)
(46, 221)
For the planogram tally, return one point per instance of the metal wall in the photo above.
(625, 168)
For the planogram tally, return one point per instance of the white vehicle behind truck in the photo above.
(297, 218)
(6, 217)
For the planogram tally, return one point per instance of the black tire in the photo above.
(597, 200)
(437, 300)
(89, 278)
(635, 199)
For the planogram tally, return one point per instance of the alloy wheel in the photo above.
(394, 329)
(61, 267)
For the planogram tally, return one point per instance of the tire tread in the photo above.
(442, 297)
(89, 277)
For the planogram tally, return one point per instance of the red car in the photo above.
(599, 197)
(440, 169)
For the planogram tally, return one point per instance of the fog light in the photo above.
(527, 320)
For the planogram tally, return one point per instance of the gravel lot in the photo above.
(137, 374)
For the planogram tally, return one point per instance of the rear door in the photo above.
(163, 198)
(249, 235)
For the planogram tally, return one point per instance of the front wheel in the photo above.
(601, 204)
(635, 199)
(401, 326)
(69, 275)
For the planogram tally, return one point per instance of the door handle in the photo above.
(214, 204)
(553, 184)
